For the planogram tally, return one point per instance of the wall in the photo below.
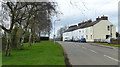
(100, 30)
(88, 34)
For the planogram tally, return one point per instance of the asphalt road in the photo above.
(86, 54)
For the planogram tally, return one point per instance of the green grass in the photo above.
(43, 53)
(113, 45)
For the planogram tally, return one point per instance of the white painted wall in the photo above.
(88, 33)
(98, 31)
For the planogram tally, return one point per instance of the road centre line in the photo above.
(111, 58)
(93, 51)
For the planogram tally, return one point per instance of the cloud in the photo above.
(82, 10)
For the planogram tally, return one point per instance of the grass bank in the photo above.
(43, 53)
(113, 45)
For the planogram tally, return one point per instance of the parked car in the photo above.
(118, 38)
(108, 40)
(68, 39)
(76, 39)
(82, 40)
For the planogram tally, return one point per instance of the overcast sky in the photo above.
(76, 11)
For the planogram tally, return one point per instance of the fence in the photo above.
(115, 41)
(99, 40)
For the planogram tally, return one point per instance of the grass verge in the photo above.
(43, 53)
(113, 45)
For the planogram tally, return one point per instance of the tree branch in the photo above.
(4, 28)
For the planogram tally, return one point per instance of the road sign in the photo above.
(54, 36)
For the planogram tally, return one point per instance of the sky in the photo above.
(76, 11)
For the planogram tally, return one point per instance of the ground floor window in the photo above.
(82, 36)
(91, 36)
(86, 36)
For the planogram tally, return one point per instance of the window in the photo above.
(86, 36)
(82, 36)
(91, 36)
(108, 28)
(83, 31)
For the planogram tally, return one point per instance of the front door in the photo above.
(107, 36)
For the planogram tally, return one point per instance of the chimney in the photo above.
(98, 19)
(74, 25)
(89, 21)
(81, 23)
(104, 18)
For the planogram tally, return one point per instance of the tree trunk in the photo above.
(39, 36)
(8, 45)
(8, 49)
(33, 38)
(22, 41)
(14, 38)
(30, 39)
(49, 34)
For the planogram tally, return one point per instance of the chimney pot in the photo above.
(89, 20)
(104, 18)
(97, 19)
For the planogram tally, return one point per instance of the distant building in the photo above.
(97, 30)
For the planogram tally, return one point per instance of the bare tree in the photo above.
(27, 15)
(61, 31)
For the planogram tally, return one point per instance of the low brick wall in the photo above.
(115, 41)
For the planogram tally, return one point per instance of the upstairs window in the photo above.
(108, 28)
(91, 36)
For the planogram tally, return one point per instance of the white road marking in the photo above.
(111, 58)
(84, 47)
(93, 51)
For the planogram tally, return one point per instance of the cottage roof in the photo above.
(82, 25)
(85, 24)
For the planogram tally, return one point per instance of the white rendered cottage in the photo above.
(97, 30)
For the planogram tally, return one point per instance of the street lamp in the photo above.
(54, 29)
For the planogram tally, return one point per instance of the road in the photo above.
(86, 54)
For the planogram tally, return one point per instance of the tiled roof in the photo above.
(83, 25)
(88, 23)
